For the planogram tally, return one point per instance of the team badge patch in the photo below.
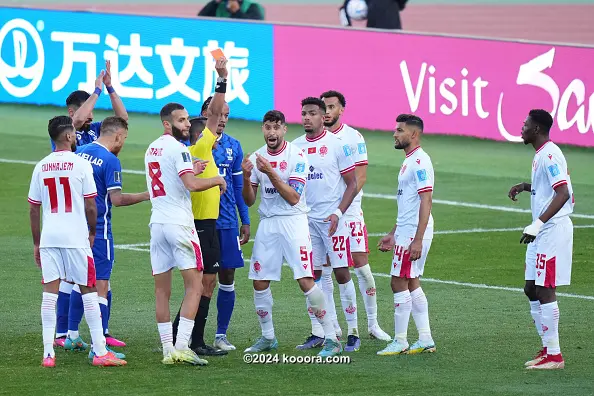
(117, 177)
(422, 175)
(186, 157)
(554, 170)
(347, 150)
(300, 168)
(362, 148)
(323, 151)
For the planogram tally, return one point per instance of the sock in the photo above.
(63, 307)
(166, 334)
(316, 327)
(328, 288)
(420, 314)
(367, 289)
(199, 323)
(75, 312)
(225, 305)
(184, 332)
(103, 306)
(48, 321)
(537, 317)
(263, 303)
(550, 327)
(108, 307)
(402, 309)
(93, 318)
(348, 298)
(316, 304)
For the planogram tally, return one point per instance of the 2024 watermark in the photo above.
(281, 358)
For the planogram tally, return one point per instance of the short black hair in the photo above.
(197, 122)
(274, 116)
(59, 124)
(411, 120)
(334, 94)
(77, 98)
(112, 124)
(314, 101)
(205, 105)
(542, 118)
(168, 109)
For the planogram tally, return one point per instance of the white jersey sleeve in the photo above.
(35, 194)
(344, 155)
(183, 161)
(555, 169)
(299, 166)
(423, 174)
(89, 187)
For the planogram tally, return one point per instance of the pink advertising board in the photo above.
(459, 86)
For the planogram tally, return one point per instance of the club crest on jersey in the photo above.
(257, 266)
(229, 154)
(422, 175)
(554, 170)
(186, 157)
(362, 148)
(323, 151)
(347, 150)
(117, 177)
(283, 166)
(300, 168)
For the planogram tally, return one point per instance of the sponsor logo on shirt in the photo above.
(270, 190)
(314, 175)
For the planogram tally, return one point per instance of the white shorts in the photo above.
(277, 238)
(402, 267)
(173, 246)
(549, 257)
(337, 247)
(358, 233)
(75, 265)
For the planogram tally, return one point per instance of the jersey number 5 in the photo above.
(52, 189)
(157, 186)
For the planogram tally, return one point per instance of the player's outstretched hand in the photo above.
(386, 244)
(221, 67)
(37, 255)
(107, 75)
(199, 166)
(263, 165)
(415, 249)
(247, 167)
(333, 219)
(244, 234)
(515, 190)
(222, 184)
(99, 80)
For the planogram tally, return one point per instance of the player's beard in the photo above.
(276, 145)
(178, 134)
(401, 145)
(73, 145)
(328, 124)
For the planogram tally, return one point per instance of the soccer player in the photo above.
(80, 105)
(62, 183)
(107, 172)
(283, 232)
(335, 105)
(331, 188)
(228, 156)
(549, 237)
(170, 175)
(410, 239)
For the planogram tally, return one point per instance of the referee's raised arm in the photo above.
(215, 108)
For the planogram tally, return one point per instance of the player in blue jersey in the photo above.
(107, 172)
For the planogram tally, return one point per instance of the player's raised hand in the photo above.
(221, 67)
(333, 219)
(247, 167)
(199, 166)
(244, 234)
(386, 244)
(107, 75)
(515, 190)
(99, 80)
(37, 255)
(263, 164)
(415, 249)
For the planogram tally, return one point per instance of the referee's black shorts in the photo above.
(209, 244)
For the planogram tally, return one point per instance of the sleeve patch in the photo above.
(300, 168)
(347, 150)
(362, 148)
(186, 157)
(297, 186)
(554, 170)
(117, 177)
(422, 175)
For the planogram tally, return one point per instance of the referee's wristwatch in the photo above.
(221, 80)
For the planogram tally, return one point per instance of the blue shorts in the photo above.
(103, 255)
(231, 254)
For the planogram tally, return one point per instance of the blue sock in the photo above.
(104, 313)
(225, 305)
(108, 308)
(76, 310)
(63, 307)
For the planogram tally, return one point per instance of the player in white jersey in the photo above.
(281, 173)
(170, 176)
(335, 105)
(549, 237)
(410, 239)
(331, 188)
(63, 185)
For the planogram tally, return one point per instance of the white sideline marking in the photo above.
(369, 195)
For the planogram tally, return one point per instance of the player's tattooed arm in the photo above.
(35, 218)
(91, 213)
(416, 246)
(518, 188)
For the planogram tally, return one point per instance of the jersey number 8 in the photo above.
(157, 186)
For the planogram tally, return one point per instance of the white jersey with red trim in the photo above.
(359, 152)
(60, 183)
(166, 160)
(329, 158)
(416, 177)
(549, 171)
(290, 164)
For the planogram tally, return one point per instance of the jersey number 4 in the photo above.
(52, 189)
(155, 174)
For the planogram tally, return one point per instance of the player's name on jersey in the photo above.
(91, 159)
(57, 166)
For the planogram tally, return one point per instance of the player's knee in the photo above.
(530, 291)
(227, 276)
(209, 282)
(545, 294)
(342, 275)
(306, 284)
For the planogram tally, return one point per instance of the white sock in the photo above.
(263, 303)
(537, 317)
(316, 304)
(73, 334)
(48, 322)
(550, 325)
(316, 327)
(93, 318)
(184, 332)
(367, 289)
(327, 284)
(166, 334)
(402, 309)
(348, 298)
(420, 313)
